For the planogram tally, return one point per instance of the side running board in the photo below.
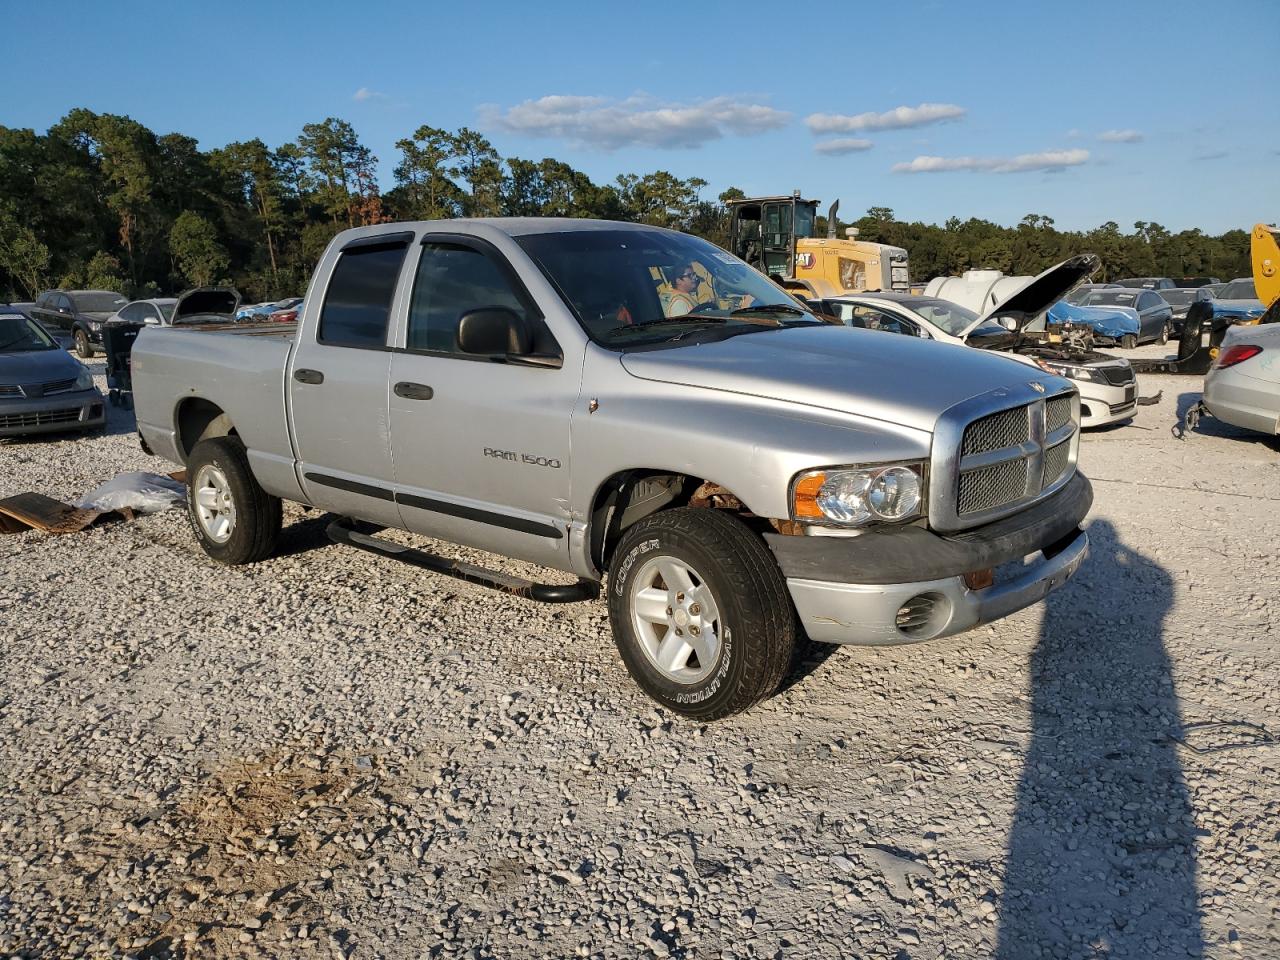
(348, 532)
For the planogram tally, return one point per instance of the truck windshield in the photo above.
(634, 287)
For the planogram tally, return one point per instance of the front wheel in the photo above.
(1164, 334)
(700, 612)
(84, 349)
(1129, 341)
(235, 521)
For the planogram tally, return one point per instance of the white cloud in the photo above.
(842, 146)
(1022, 163)
(895, 119)
(610, 124)
(1121, 136)
(364, 93)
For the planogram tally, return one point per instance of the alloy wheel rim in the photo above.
(215, 507)
(676, 619)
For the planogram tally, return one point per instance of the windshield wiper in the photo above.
(664, 321)
(770, 308)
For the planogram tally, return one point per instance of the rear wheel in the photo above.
(700, 612)
(234, 519)
(1129, 341)
(84, 349)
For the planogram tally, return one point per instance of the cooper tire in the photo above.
(84, 349)
(718, 568)
(235, 521)
(1128, 341)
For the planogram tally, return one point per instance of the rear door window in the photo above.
(357, 303)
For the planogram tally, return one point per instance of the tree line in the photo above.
(101, 201)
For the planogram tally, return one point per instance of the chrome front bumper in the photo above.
(867, 614)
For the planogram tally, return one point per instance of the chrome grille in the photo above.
(1056, 460)
(1005, 429)
(1057, 413)
(1117, 376)
(989, 487)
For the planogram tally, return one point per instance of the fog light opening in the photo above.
(923, 616)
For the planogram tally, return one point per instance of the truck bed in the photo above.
(236, 368)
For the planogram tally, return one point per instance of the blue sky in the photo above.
(1086, 112)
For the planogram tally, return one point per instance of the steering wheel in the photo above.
(700, 308)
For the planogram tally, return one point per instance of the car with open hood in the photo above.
(206, 305)
(1015, 327)
(79, 315)
(640, 409)
(42, 388)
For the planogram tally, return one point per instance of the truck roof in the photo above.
(512, 226)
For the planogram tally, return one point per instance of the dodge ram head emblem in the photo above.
(1037, 386)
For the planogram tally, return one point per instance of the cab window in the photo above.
(452, 280)
(357, 304)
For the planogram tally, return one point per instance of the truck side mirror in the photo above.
(494, 330)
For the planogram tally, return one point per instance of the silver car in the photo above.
(1243, 385)
(156, 312)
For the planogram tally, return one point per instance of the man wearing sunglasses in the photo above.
(682, 298)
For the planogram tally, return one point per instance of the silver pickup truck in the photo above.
(604, 398)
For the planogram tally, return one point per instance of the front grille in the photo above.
(39, 418)
(1117, 376)
(1057, 413)
(1005, 429)
(1056, 460)
(59, 386)
(10, 390)
(989, 487)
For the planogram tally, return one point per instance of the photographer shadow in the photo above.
(1102, 856)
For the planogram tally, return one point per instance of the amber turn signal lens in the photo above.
(980, 579)
(806, 496)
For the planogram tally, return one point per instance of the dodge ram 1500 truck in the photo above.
(617, 400)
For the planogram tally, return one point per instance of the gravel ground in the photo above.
(329, 754)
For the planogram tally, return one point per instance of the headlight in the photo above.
(95, 325)
(855, 496)
(1070, 371)
(85, 380)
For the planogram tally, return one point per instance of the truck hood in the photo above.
(1034, 298)
(206, 302)
(860, 372)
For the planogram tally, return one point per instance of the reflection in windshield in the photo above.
(631, 287)
(99, 302)
(1178, 297)
(950, 317)
(1239, 290)
(19, 334)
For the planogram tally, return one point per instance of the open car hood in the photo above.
(206, 302)
(1034, 298)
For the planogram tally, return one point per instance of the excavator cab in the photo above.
(764, 231)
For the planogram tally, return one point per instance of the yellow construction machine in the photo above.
(1265, 254)
(776, 236)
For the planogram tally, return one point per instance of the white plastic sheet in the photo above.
(142, 492)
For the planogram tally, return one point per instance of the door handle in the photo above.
(304, 375)
(413, 391)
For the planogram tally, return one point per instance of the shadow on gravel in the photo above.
(808, 658)
(1101, 859)
(304, 536)
(1213, 427)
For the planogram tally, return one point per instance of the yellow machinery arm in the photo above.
(1266, 263)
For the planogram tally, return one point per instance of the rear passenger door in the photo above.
(481, 445)
(337, 383)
